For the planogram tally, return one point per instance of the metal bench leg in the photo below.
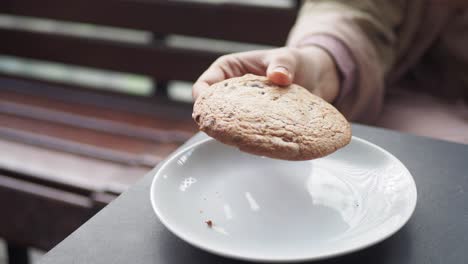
(161, 89)
(17, 254)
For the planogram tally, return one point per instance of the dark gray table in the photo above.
(127, 231)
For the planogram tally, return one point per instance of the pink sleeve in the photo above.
(343, 58)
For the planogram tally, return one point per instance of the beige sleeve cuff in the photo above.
(362, 100)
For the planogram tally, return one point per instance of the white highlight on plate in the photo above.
(183, 159)
(220, 230)
(227, 211)
(186, 183)
(328, 190)
(253, 204)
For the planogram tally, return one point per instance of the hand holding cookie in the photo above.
(260, 117)
(310, 67)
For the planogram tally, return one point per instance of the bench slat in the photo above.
(161, 62)
(69, 169)
(96, 124)
(124, 156)
(237, 22)
(162, 113)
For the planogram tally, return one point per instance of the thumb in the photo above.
(282, 67)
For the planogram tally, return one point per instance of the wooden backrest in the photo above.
(226, 21)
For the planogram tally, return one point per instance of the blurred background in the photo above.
(94, 93)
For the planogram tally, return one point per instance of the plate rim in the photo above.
(282, 259)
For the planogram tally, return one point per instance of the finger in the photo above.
(281, 67)
(212, 75)
(229, 66)
(198, 87)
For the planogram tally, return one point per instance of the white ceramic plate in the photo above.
(264, 209)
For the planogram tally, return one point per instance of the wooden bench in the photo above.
(68, 150)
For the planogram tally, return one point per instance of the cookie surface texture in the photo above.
(261, 118)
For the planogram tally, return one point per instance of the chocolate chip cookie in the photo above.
(262, 118)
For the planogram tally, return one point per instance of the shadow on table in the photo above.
(392, 250)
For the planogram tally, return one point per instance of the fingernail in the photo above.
(283, 70)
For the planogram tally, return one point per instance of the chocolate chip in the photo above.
(257, 85)
(197, 118)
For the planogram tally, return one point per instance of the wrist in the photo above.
(319, 67)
